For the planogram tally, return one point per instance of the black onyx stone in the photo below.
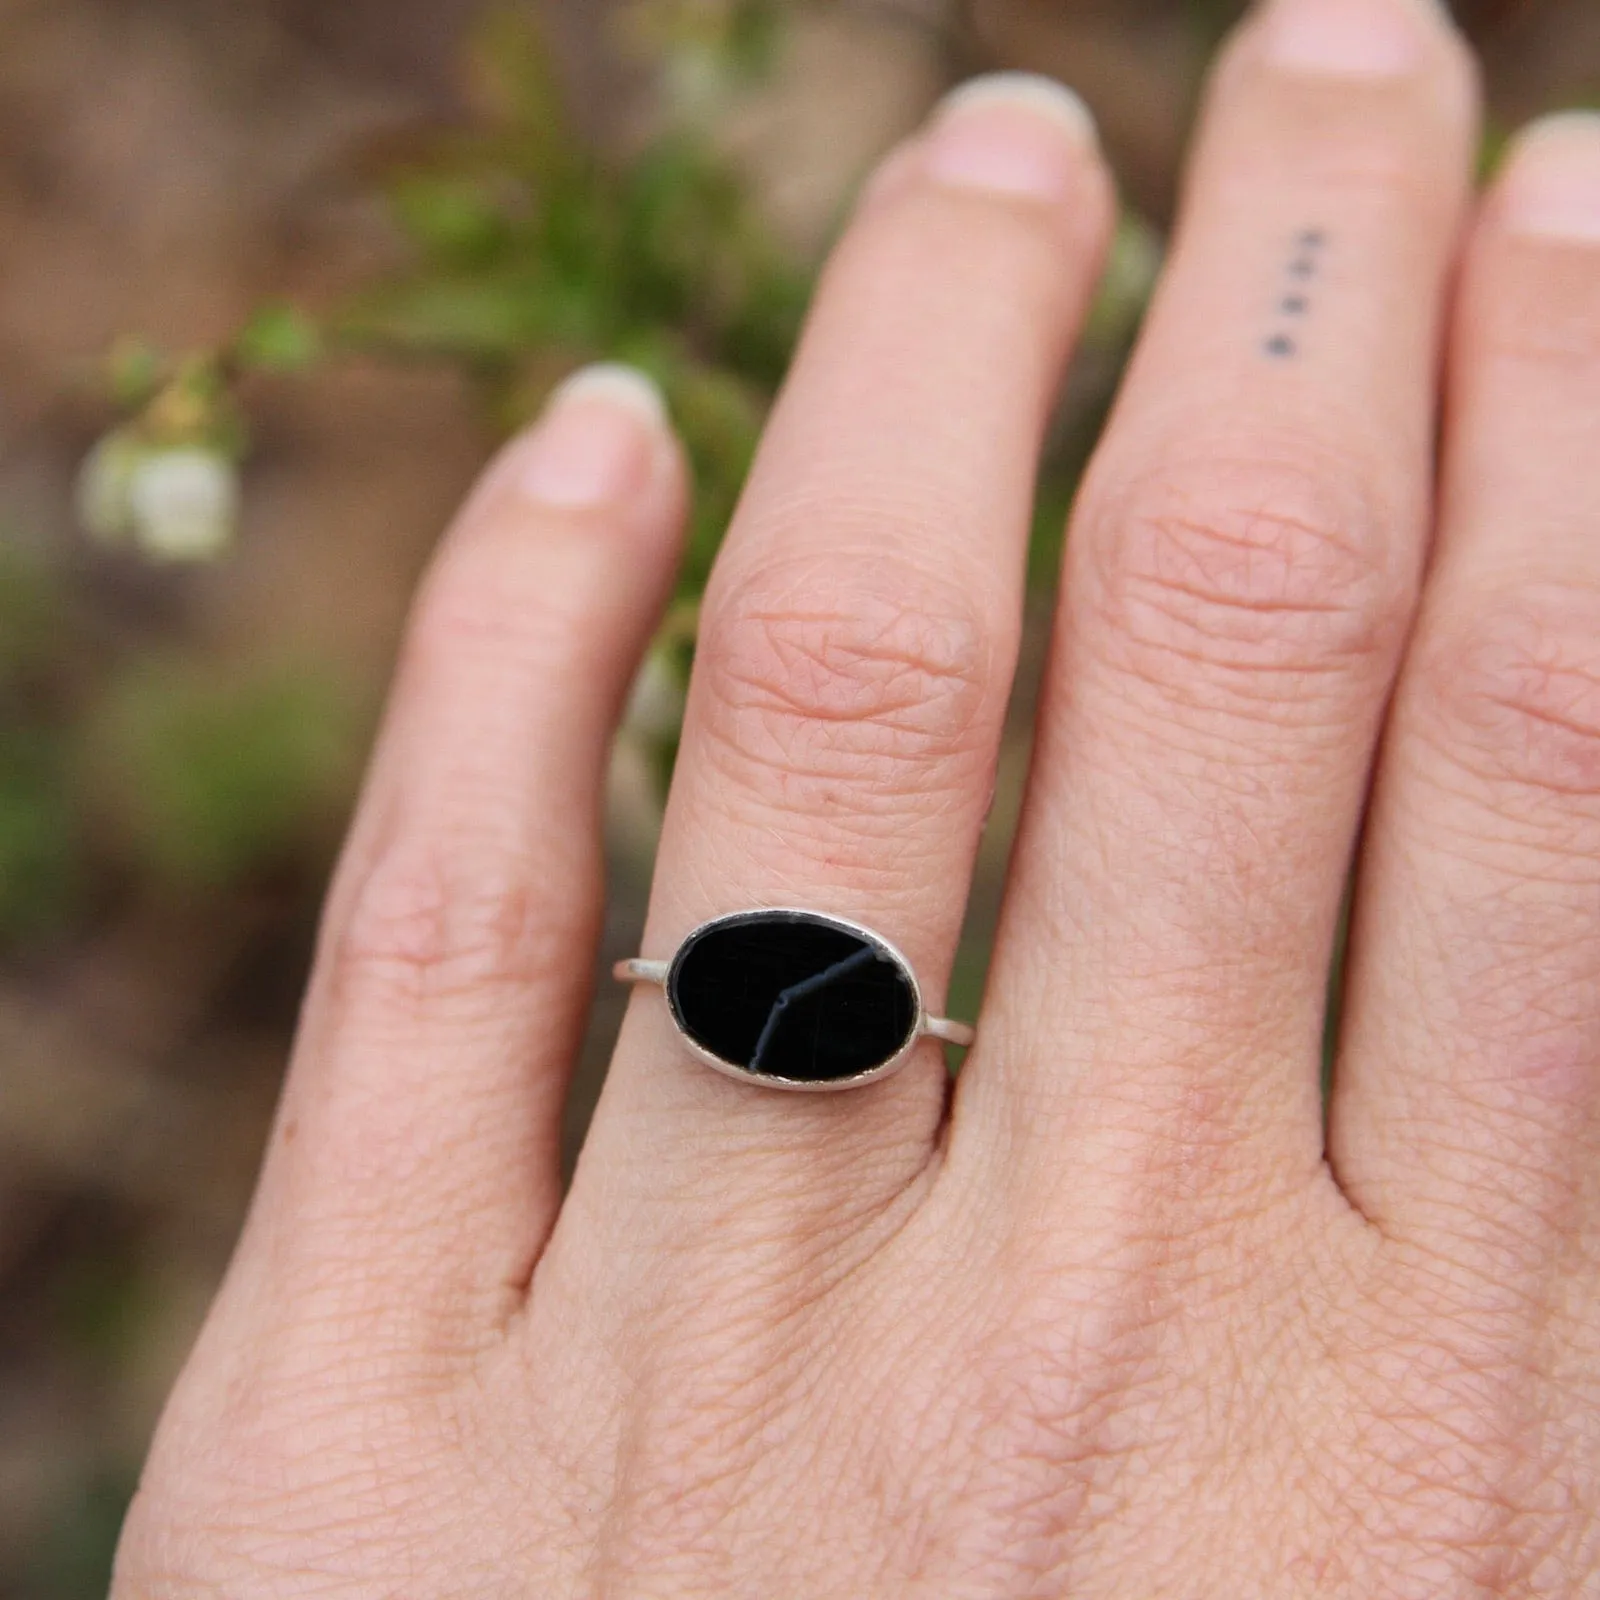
(785, 994)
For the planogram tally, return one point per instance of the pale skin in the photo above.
(1119, 1314)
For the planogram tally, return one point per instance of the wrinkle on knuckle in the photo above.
(1450, 1457)
(434, 920)
(1510, 694)
(880, 683)
(1248, 573)
(481, 605)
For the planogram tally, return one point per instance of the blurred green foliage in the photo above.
(39, 868)
(214, 780)
(533, 252)
(530, 249)
(278, 338)
(156, 768)
(39, 834)
(707, 43)
(33, 608)
(76, 1552)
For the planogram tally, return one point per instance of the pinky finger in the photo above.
(417, 1147)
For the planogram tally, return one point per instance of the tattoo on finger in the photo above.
(1294, 297)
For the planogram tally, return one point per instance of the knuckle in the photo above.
(1510, 690)
(432, 920)
(1244, 570)
(244, 1527)
(881, 682)
(478, 608)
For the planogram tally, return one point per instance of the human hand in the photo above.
(1114, 1318)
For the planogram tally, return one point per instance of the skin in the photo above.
(1120, 1314)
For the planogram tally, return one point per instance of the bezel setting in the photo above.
(667, 975)
(868, 936)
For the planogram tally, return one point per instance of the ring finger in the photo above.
(857, 645)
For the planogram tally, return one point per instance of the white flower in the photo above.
(102, 490)
(183, 504)
(174, 503)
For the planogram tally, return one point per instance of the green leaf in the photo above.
(278, 338)
(681, 218)
(454, 218)
(472, 317)
(135, 369)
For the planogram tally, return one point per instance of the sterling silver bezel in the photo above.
(662, 973)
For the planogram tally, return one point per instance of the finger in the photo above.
(1466, 1089)
(419, 1130)
(1239, 576)
(859, 636)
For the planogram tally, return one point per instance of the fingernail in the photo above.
(1551, 184)
(595, 443)
(1012, 132)
(1363, 38)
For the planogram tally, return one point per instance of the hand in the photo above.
(1114, 1319)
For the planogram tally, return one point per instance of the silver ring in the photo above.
(793, 999)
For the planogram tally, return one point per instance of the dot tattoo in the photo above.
(1294, 297)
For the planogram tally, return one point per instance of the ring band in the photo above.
(794, 999)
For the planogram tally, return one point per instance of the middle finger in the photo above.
(1240, 575)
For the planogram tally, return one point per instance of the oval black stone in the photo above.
(795, 995)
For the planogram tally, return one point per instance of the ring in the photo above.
(794, 999)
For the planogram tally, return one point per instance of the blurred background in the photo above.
(275, 276)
